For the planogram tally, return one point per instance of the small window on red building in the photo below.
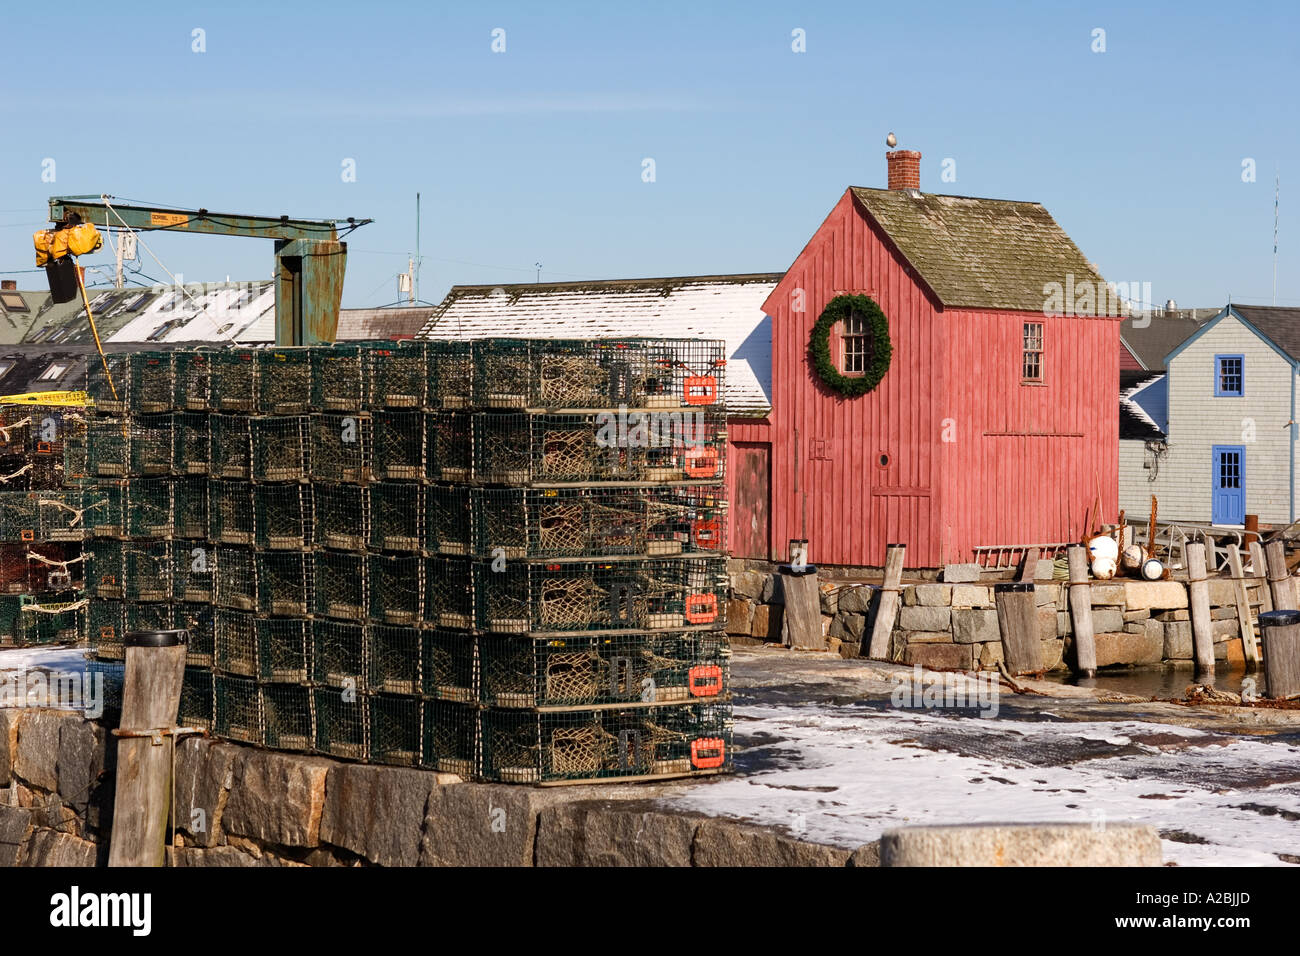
(855, 345)
(1031, 368)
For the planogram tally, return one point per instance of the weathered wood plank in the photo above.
(802, 625)
(1279, 577)
(1258, 567)
(1280, 633)
(887, 608)
(1085, 646)
(1199, 604)
(1018, 624)
(1245, 622)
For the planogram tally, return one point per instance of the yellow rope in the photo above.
(94, 331)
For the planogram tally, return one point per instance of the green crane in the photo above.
(309, 256)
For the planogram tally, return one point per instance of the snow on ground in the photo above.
(842, 774)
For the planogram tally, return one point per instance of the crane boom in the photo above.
(310, 259)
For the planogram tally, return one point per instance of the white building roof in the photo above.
(706, 307)
(206, 312)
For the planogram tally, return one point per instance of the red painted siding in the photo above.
(973, 457)
(1127, 363)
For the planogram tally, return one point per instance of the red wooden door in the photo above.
(750, 512)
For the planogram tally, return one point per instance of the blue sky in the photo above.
(535, 154)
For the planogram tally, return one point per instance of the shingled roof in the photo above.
(1280, 323)
(980, 253)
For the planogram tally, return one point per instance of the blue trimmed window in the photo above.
(1229, 375)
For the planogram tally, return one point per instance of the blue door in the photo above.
(1228, 484)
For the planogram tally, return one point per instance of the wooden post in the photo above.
(1279, 577)
(877, 648)
(1245, 622)
(1211, 553)
(1018, 623)
(1085, 646)
(151, 697)
(1199, 603)
(802, 621)
(1258, 564)
(1280, 632)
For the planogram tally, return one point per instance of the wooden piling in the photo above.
(151, 697)
(1258, 565)
(1085, 645)
(1245, 622)
(877, 648)
(802, 621)
(1199, 604)
(1018, 624)
(1279, 578)
(1280, 633)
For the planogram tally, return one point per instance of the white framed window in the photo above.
(855, 344)
(55, 370)
(1031, 365)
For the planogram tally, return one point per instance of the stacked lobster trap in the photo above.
(503, 559)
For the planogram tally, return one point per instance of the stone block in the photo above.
(276, 798)
(941, 656)
(377, 812)
(931, 595)
(990, 655)
(857, 598)
(1167, 617)
(849, 627)
(721, 842)
(1044, 569)
(920, 618)
(86, 750)
(1107, 619)
(1122, 648)
(747, 584)
(1140, 615)
(1223, 613)
(975, 625)
(1044, 594)
(740, 616)
(1046, 622)
(928, 637)
(971, 595)
(1225, 629)
(51, 848)
(1064, 623)
(479, 824)
(961, 573)
(1223, 591)
(204, 775)
(9, 718)
(1039, 844)
(1052, 654)
(1154, 595)
(767, 622)
(15, 827)
(826, 599)
(598, 834)
(1178, 641)
(38, 746)
(223, 857)
(772, 592)
(1108, 594)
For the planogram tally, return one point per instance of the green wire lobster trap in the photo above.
(108, 447)
(192, 374)
(397, 516)
(198, 699)
(193, 438)
(395, 589)
(341, 585)
(399, 445)
(281, 448)
(584, 670)
(233, 382)
(395, 730)
(449, 449)
(631, 742)
(190, 506)
(238, 708)
(232, 446)
(449, 665)
(450, 367)
(152, 444)
(342, 447)
(151, 507)
(235, 635)
(283, 650)
(396, 375)
(284, 381)
(235, 581)
(107, 390)
(449, 592)
(230, 512)
(338, 655)
(342, 723)
(152, 382)
(448, 521)
(342, 514)
(283, 516)
(451, 738)
(288, 717)
(199, 619)
(393, 659)
(193, 570)
(284, 582)
(338, 382)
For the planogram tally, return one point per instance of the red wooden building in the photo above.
(994, 424)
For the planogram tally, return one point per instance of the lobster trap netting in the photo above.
(397, 516)
(342, 514)
(198, 699)
(129, 569)
(393, 659)
(193, 570)
(284, 582)
(449, 439)
(399, 445)
(190, 506)
(233, 383)
(449, 665)
(106, 628)
(192, 373)
(560, 522)
(284, 381)
(450, 368)
(19, 515)
(29, 621)
(108, 447)
(150, 616)
(152, 382)
(449, 592)
(73, 514)
(35, 568)
(342, 723)
(236, 643)
(395, 730)
(199, 619)
(395, 585)
(152, 444)
(672, 740)
(338, 655)
(574, 374)
(448, 520)
(230, 512)
(451, 736)
(108, 679)
(235, 584)
(342, 447)
(396, 376)
(232, 447)
(283, 650)
(502, 373)
(281, 448)
(107, 382)
(151, 508)
(284, 516)
(288, 717)
(341, 585)
(193, 443)
(238, 708)
(338, 377)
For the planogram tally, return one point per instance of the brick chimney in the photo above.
(8, 285)
(904, 169)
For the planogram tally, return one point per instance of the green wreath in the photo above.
(819, 345)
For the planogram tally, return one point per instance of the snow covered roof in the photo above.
(707, 307)
(204, 312)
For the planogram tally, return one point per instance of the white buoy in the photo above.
(1132, 558)
(1152, 569)
(1103, 568)
(1103, 546)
